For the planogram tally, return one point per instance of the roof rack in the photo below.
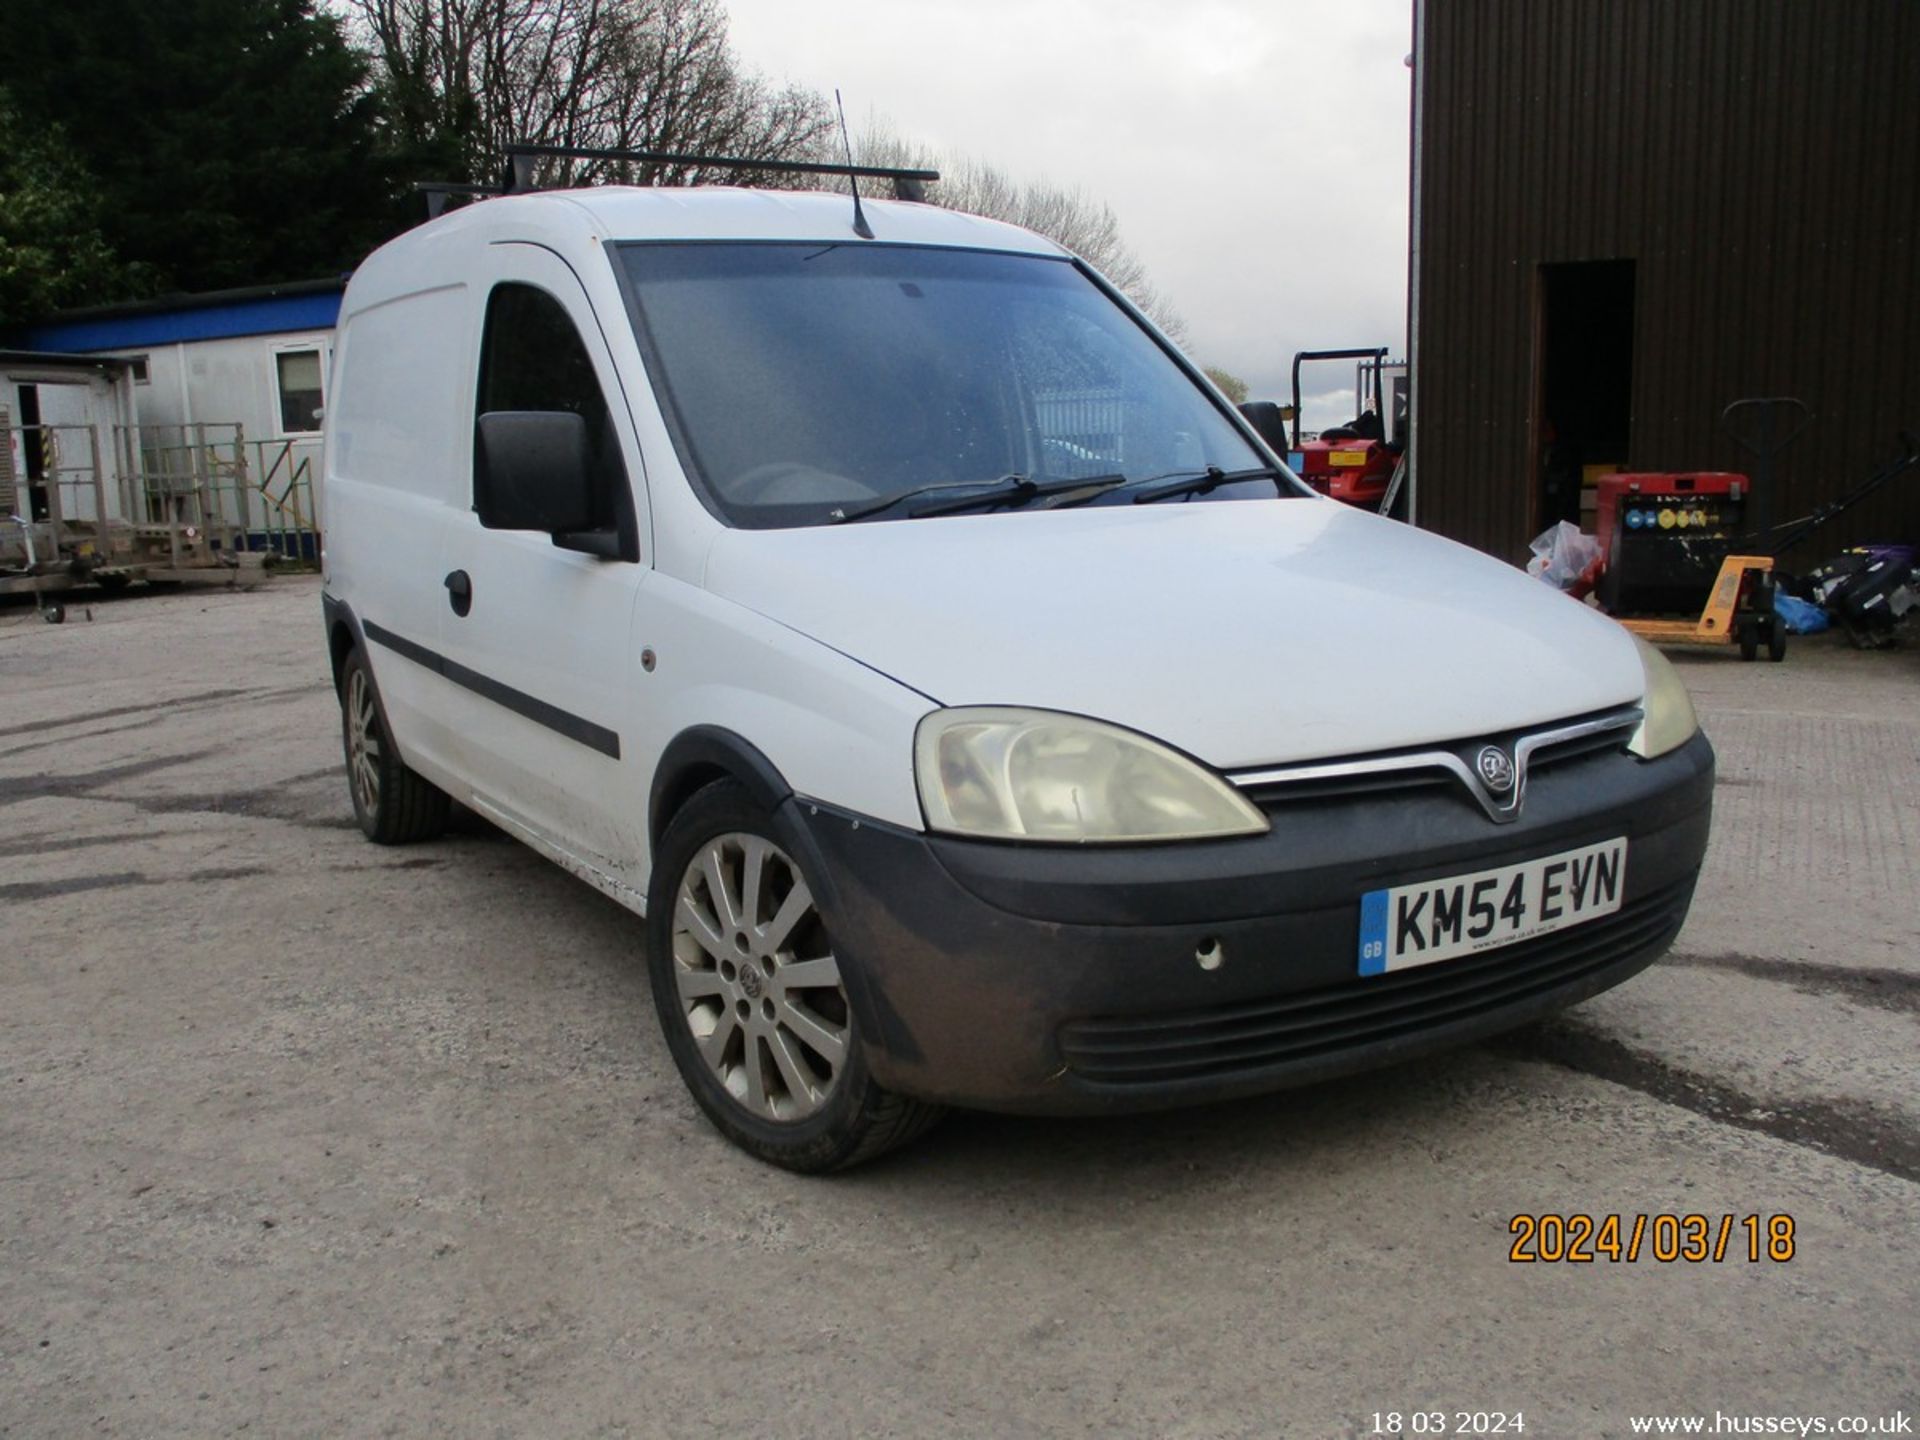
(439, 192)
(521, 156)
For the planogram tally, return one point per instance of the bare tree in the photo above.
(1230, 384)
(464, 78)
(1071, 217)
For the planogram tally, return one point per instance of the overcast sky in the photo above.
(1255, 151)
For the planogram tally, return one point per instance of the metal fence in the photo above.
(184, 497)
(240, 494)
(1085, 430)
(283, 473)
(55, 471)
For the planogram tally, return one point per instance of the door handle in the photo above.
(459, 591)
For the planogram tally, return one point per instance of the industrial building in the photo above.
(1627, 215)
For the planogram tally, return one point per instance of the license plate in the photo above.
(1432, 920)
(1346, 457)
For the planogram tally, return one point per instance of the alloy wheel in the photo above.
(363, 742)
(758, 984)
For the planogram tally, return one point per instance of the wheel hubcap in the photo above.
(363, 742)
(758, 982)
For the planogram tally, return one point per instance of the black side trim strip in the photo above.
(564, 722)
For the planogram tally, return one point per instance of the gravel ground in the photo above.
(299, 1136)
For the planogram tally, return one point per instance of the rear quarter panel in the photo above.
(396, 454)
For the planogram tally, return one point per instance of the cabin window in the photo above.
(298, 372)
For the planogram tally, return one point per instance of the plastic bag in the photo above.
(1799, 616)
(1563, 555)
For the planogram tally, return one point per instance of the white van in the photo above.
(976, 711)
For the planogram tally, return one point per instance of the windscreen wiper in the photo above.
(984, 490)
(1026, 491)
(1204, 481)
(1007, 490)
(1180, 482)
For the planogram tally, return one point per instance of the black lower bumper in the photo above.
(1055, 980)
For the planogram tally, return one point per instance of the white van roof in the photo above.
(572, 221)
(627, 212)
(630, 212)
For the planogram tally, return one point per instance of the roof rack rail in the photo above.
(438, 192)
(521, 156)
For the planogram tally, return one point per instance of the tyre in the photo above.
(751, 996)
(393, 805)
(1749, 634)
(1776, 641)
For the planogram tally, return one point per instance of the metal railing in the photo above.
(179, 497)
(1085, 430)
(57, 472)
(208, 482)
(283, 478)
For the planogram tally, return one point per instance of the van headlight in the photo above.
(1669, 721)
(1005, 774)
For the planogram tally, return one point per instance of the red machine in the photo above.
(1353, 470)
(1673, 573)
(1352, 462)
(1664, 536)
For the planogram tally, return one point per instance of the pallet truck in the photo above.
(1739, 610)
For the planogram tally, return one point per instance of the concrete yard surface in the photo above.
(304, 1136)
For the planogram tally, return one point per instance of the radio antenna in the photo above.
(860, 226)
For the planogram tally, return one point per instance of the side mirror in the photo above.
(1269, 422)
(532, 471)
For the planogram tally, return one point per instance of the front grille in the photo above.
(1272, 795)
(1601, 742)
(1431, 767)
(1315, 1024)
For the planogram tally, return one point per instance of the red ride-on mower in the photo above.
(1352, 462)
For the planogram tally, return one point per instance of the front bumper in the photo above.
(1066, 980)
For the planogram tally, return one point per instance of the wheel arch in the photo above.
(697, 757)
(340, 643)
(343, 633)
(344, 636)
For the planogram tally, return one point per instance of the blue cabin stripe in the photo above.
(219, 321)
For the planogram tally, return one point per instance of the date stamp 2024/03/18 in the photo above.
(1581, 1239)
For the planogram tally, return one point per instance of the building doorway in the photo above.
(32, 454)
(1583, 385)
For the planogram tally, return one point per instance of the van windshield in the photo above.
(809, 383)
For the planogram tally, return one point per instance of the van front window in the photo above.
(808, 383)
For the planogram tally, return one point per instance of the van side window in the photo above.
(532, 358)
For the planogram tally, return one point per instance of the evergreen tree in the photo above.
(233, 142)
(52, 254)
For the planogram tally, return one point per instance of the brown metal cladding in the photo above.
(1758, 160)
